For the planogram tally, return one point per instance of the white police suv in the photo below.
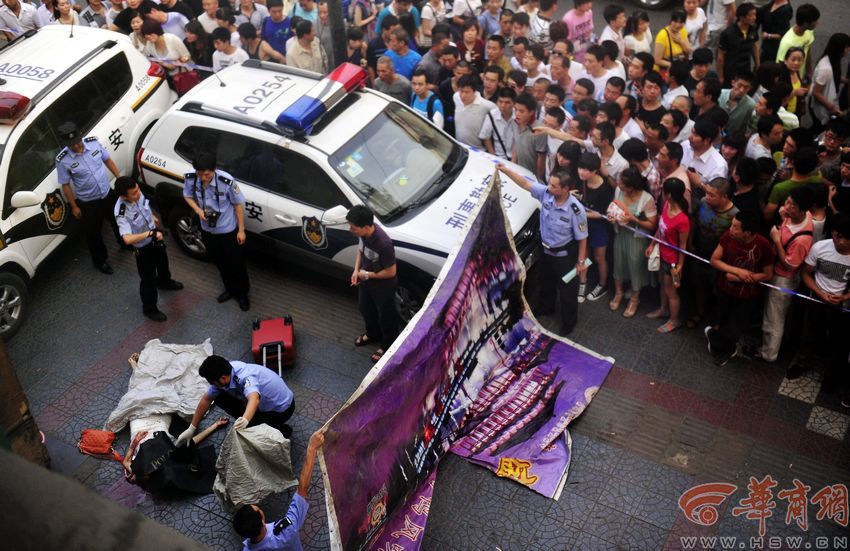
(304, 149)
(92, 77)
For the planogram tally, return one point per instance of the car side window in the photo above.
(264, 165)
(33, 158)
(94, 96)
(306, 182)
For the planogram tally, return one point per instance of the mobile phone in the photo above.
(691, 169)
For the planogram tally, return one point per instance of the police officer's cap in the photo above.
(69, 133)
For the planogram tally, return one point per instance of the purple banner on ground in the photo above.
(472, 373)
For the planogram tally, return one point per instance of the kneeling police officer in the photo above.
(140, 229)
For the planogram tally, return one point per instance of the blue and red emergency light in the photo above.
(301, 115)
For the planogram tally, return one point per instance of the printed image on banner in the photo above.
(472, 373)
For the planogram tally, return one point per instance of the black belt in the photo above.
(560, 248)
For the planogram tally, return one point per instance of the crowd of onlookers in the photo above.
(723, 134)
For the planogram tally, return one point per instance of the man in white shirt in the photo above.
(499, 128)
(683, 104)
(172, 22)
(675, 84)
(225, 53)
(721, 14)
(470, 111)
(703, 162)
(615, 17)
(629, 125)
(540, 23)
(769, 132)
(207, 19)
(17, 18)
(602, 138)
(595, 72)
(306, 52)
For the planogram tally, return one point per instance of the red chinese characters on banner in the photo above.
(833, 503)
(759, 503)
(798, 500)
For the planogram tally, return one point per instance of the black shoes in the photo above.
(795, 371)
(171, 285)
(244, 304)
(224, 297)
(155, 314)
(105, 268)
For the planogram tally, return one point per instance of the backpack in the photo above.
(430, 109)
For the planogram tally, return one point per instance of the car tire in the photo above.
(14, 303)
(409, 298)
(653, 4)
(186, 228)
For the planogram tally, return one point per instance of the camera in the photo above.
(212, 217)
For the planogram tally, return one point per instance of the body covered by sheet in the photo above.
(472, 373)
(253, 463)
(165, 380)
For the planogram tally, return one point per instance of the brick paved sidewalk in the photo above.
(665, 419)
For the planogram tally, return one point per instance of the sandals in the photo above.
(693, 321)
(669, 327)
(615, 302)
(631, 309)
(657, 314)
(363, 340)
(379, 353)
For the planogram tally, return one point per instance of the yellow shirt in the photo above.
(663, 38)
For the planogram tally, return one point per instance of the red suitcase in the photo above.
(273, 341)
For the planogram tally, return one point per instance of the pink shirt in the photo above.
(796, 252)
(579, 31)
(669, 230)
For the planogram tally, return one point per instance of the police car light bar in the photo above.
(12, 106)
(303, 114)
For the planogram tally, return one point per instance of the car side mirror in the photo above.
(23, 199)
(334, 216)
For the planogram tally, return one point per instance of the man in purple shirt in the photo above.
(375, 274)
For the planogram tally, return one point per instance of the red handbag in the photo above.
(185, 81)
(98, 443)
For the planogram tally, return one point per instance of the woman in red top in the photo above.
(471, 48)
(673, 229)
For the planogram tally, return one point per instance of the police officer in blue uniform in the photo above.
(563, 232)
(214, 196)
(141, 230)
(81, 168)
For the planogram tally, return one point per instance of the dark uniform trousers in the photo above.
(93, 214)
(551, 270)
(152, 264)
(377, 306)
(229, 258)
(235, 407)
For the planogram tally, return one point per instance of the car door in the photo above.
(299, 193)
(29, 164)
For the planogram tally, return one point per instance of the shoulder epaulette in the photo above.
(189, 176)
(90, 139)
(62, 154)
(224, 179)
(122, 209)
(281, 525)
(575, 208)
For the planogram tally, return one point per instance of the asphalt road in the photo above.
(833, 12)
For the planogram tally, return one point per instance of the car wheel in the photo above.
(187, 230)
(409, 298)
(14, 302)
(653, 4)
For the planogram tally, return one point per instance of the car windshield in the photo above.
(396, 160)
